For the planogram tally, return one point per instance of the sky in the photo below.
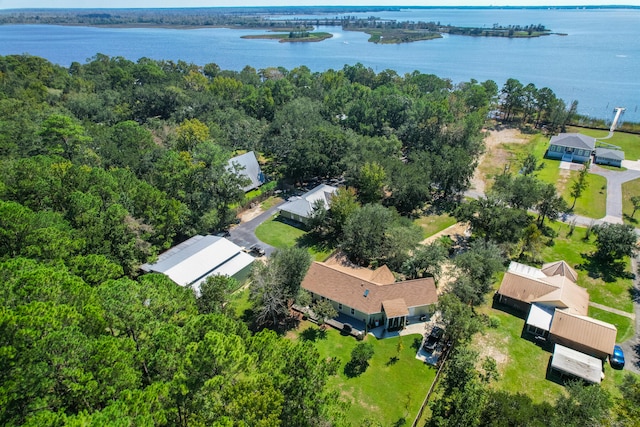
(19, 4)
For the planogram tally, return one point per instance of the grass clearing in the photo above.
(575, 250)
(630, 189)
(433, 224)
(522, 365)
(390, 391)
(593, 202)
(282, 235)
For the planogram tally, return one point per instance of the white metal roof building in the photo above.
(192, 261)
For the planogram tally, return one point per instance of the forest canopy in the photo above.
(108, 163)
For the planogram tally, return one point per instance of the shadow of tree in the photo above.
(609, 272)
(630, 218)
(311, 240)
(313, 334)
(392, 361)
(636, 349)
(401, 422)
(634, 294)
(417, 342)
(353, 369)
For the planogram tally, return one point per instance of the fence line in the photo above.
(433, 386)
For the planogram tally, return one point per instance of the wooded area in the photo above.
(108, 163)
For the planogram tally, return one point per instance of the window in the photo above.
(339, 306)
(353, 311)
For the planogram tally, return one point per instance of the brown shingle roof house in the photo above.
(387, 303)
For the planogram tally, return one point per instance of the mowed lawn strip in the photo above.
(433, 224)
(387, 391)
(630, 189)
(281, 235)
(593, 201)
(573, 250)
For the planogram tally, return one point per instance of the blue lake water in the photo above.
(596, 63)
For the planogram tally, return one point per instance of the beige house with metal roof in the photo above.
(371, 296)
(583, 333)
(552, 285)
(556, 307)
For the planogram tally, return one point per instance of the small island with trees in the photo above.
(281, 23)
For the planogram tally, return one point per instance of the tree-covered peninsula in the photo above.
(284, 22)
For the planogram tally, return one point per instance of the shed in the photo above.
(570, 362)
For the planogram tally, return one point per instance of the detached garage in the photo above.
(609, 156)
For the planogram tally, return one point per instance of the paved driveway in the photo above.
(631, 347)
(244, 234)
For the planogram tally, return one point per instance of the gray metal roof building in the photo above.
(574, 140)
(299, 208)
(248, 167)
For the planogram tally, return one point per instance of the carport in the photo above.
(566, 361)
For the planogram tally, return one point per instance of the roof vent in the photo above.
(366, 292)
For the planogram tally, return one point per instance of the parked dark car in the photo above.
(617, 358)
(256, 250)
(433, 339)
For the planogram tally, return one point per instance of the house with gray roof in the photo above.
(246, 165)
(192, 261)
(300, 208)
(571, 147)
(609, 156)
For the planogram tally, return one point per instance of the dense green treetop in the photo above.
(103, 165)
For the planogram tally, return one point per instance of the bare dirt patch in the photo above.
(249, 214)
(495, 155)
(489, 346)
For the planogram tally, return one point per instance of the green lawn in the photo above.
(629, 143)
(593, 202)
(624, 324)
(521, 363)
(388, 391)
(280, 235)
(433, 224)
(573, 250)
(630, 189)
